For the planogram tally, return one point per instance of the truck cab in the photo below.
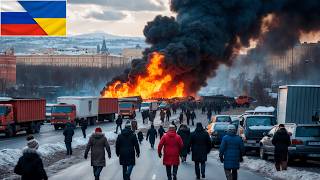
(127, 109)
(6, 117)
(61, 114)
(253, 128)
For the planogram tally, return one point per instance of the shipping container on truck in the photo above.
(21, 114)
(108, 107)
(299, 104)
(86, 107)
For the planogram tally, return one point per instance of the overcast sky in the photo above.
(119, 17)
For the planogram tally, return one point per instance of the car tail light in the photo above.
(297, 142)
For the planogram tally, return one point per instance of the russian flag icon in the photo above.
(33, 18)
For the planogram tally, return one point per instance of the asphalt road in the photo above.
(148, 167)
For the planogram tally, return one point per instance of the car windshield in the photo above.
(260, 121)
(145, 105)
(125, 105)
(308, 131)
(61, 109)
(48, 109)
(224, 119)
(219, 127)
(2, 110)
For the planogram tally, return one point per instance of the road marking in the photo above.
(154, 177)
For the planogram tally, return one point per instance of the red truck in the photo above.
(21, 114)
(61, 114)
(244, 101)
(108, 107)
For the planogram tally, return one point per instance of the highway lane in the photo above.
(148, 167)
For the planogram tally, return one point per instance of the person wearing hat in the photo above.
(172, 144)
(200, 144)
(30, 165)
(231, 152)
(97, 143)
(127, 149)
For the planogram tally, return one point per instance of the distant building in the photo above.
(133, 53)
(104, 49)
(97, 60)
(7, 69)
(299, 54)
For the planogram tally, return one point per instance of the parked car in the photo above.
(252, 128)
(218, 128)
(305, 142)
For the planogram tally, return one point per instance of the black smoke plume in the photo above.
(208, 33)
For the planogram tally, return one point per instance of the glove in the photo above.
(85, 156)
(138, 155)
(160, 155)
(241, 159)
(221, 159)
(109, 156)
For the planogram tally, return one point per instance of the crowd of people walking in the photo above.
(175, 144)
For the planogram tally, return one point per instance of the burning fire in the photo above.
(155, 83)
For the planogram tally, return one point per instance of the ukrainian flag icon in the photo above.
(33, 17)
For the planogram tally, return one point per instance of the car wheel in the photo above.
(263, 155)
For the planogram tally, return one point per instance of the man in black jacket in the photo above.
(30, 165)
(151, 135)
(127, 147)
(281, 142)
(119, 124)
(68, 134)
(84, 125)
(200, 146)
(161, 131)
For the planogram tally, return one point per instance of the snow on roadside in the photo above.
(267, 167)
(9, 157)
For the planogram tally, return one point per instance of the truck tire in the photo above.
(10, 131)
(113, 117)
(56, 127)
(31, 128)
(262, 154)
(92, 121)
(37, 127)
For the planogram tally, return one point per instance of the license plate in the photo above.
(251, 141)
(314, 143)
(314, 155)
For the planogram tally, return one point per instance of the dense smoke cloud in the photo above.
(208, 33)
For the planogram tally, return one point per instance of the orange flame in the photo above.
(156, 83)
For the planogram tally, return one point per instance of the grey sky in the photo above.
(120, 17)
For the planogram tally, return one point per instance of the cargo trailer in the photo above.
(108, 107)
(299, 104)
(21, 114)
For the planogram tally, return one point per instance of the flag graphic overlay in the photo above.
(33, 18)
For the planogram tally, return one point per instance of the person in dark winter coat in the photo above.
(231, 152)
(161, 131)
(174, 124)
(162, 115)
(30, 165)
(127, 147)
(140, 136)
(200, 144)
(184, 133)
(209, 114)
(193, 117)
(98, 143)
(188, 115)
(83, 125)
(172, 144)
(68, 133)
(168, 114)
(281, 142)
(119, 124)
(152, 135)
(181, 118)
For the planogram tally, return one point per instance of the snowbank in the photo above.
(267, 168)
(9, 157)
